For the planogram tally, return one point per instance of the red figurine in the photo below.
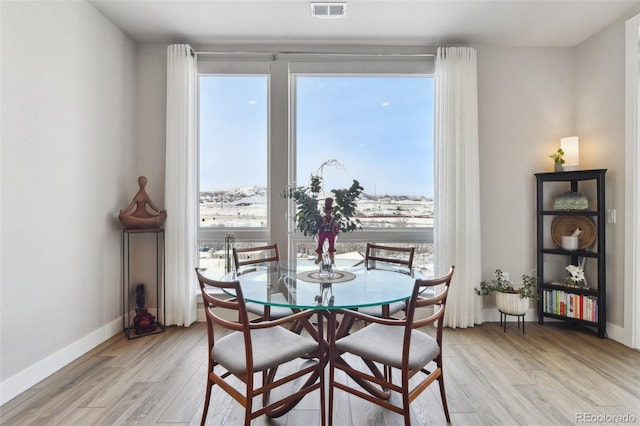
(143, 322)
(327, 230)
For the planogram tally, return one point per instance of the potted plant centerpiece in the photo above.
(510, 299)
(325, 217)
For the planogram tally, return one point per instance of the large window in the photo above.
(233, 151)
(262, 131)
(380, 131)
(233, 160)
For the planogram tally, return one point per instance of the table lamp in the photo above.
(571, 147)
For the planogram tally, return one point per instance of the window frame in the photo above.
(223, 67)
(386, 66)
(281, 145)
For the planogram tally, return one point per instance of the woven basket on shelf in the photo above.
(566, 225)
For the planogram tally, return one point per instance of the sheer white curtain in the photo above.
(457, 204)
(181, 186)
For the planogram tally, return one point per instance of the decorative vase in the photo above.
(558, 167)
(512, 303)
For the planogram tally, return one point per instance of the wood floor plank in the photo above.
(82, 416)
(184, 401)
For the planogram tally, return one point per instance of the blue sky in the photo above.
(379, 128)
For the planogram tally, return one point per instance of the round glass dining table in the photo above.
(300, 285)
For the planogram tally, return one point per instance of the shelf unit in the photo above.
(154, 301)
(590, 302)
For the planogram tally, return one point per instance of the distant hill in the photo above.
(255, 194)
(245, 194)
(385, 197)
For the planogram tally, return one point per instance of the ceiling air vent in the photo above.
(328, 9)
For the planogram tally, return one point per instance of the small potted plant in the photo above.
(558, 161)
(510, 299)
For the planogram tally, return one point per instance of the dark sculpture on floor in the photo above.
(141, 218)
(143, 322)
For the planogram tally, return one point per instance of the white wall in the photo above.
(525, 106)
(151, 98)
(530, 98)
(600, 122)
(68, 151)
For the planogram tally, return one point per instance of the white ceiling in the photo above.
(409, 22)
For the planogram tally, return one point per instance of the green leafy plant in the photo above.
(308, 216)
(557, 156)
(502, 285)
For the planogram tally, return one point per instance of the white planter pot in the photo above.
(512, 303)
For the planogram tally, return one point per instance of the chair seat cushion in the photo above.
(271, 347)
(376, 311)
(383, 343)
(275, 312)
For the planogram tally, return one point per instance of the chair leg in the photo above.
(388, 374)
(322, 362)
(444, 397)
(332, 359)
(206, 401)
(267, 378)
(406, 409)
(247, 400)
(248, 409)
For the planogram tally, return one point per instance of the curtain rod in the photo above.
(302, 53)
(356, 54)
(237, 53)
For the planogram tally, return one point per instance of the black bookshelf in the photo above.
(582, 306)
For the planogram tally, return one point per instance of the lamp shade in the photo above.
(571, 147)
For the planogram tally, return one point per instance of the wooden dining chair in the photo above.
(398, 259)
(389, 257)
(401, 344)
(240, 348)
(249, 259)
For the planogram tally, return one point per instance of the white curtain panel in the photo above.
(181, 186)
(457, 203)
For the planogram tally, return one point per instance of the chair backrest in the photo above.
(400, 257)
(438, 301)
(219, 308)
(253, 256)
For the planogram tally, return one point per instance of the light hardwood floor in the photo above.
(552, 375)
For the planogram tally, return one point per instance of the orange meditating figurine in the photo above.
(327, 230)
(141, 218)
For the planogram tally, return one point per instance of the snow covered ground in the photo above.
(247, 207)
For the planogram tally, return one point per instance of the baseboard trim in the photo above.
(614, 332)
(29, 377)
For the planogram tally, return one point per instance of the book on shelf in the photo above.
(571, 305)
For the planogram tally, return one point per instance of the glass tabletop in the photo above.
(298, 285)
